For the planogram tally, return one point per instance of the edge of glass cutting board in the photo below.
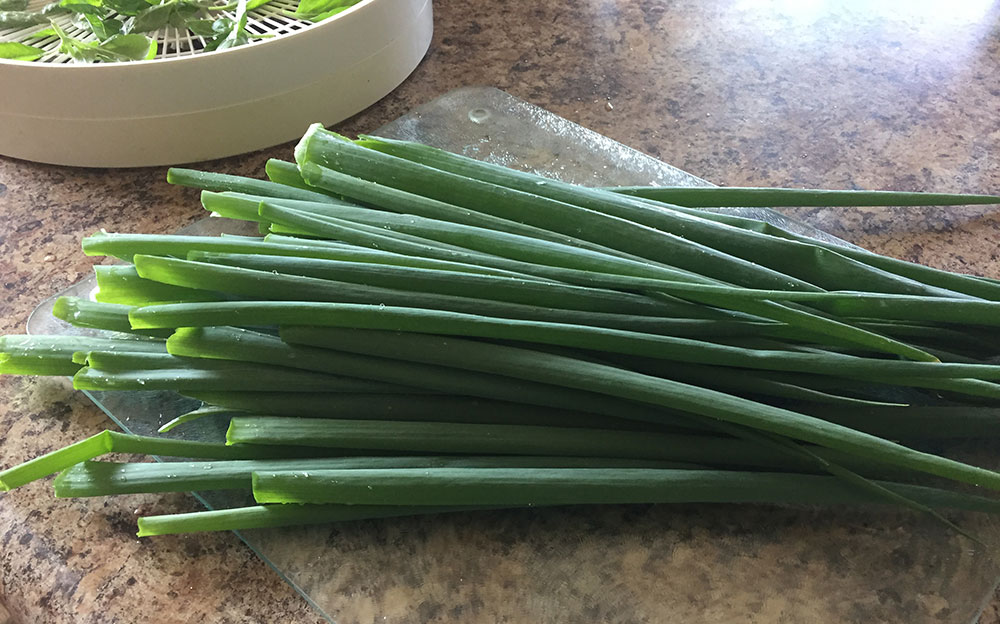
(479, 122)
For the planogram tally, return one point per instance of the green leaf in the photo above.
(69, 4)
(308, 8)
(42, 34)
(21, 19)
(19, 51)
(183, 13)
(230, 32)
(155, 18)
(238, 35)
(127, 7)
(322, 16)
(78, 50)
(217, 33)
(201, 27)
(104, 28)
(13, 5)
(132, 47)
(53, 8)
(86, 7)
(117, 48)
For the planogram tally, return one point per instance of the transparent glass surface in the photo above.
(640, 563)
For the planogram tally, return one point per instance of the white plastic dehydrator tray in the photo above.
(188, 105)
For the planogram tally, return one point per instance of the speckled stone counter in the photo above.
(867, 94)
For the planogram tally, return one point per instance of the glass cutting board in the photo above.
(640, 563)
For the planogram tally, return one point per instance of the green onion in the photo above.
(235, 344)
(92, 315)
(575, 486)
(429, 407)
(320, 148)
(224, 182)
(122, 284)
(394, 200)
(92, 478)
(285, 173)
(493, 439)
(432, 281)
(120, 371)
(195, 414)
(955, 282)
(817, 265)
(302, 290)
(114, 442)
(595, 338)
(915, 422)
(435, 334)
(696, 197)
(573, 373)
(53, 355)
(564, 258)
(271, 516)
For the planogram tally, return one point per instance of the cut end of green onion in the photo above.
(302, 147)
(143, 530)
(65, 308)
(56, 461)
(230, 434)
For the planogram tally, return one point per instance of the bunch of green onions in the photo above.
(419, 332)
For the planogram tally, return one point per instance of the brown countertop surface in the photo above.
(868, 94)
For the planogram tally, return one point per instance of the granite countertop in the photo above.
(869, 94)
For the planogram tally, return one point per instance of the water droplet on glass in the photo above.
(478, 115)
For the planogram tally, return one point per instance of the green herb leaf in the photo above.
(312, 8)
(13, 5)
(78, 50)
(322, 16)
(104, 28)
(119, 47)
(127, 7)
(155, 18)
(86, 7)
(53, 8)
(251, 5)
(21, 19)
(42, 34)
(230, 32)
(183, 13)
(201, 27)
(132, 47)
(19, 51)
